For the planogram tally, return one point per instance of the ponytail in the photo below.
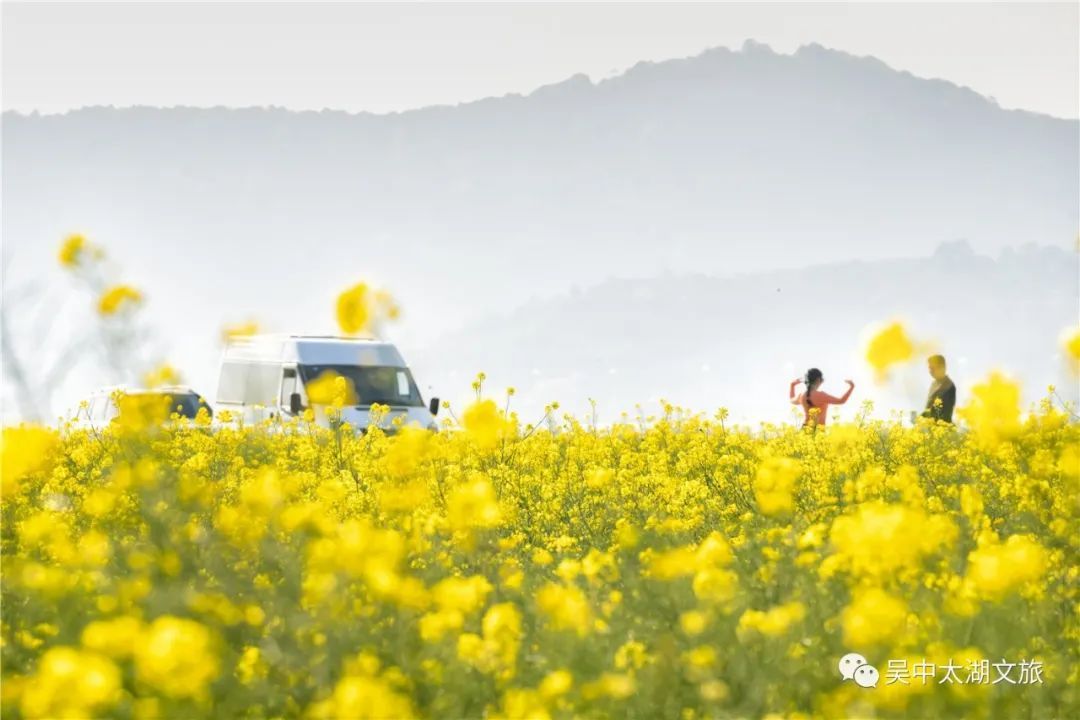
(812, 376)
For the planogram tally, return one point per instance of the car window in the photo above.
(288, 386)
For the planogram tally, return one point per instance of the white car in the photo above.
(101, 408)
(268, 376)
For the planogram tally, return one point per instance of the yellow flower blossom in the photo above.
(464, 595)
(175, 656)
(774, 486)
(994, 409)
(879, 539)
(566, 607)
(485, 424)
(162, 375)
(71, 251)
(1070, 342)
(889, 346)
(118, 298)
(239, 330)
(578, 570)
(874, 617)
(773, 622)
(693, 622)
(360, 309)
(24, 450)
(71, 683)
(473, 505)
(353, 311)
(408, 448)
(998, 569)
(556, 683)
(116, 637)
(332, 390)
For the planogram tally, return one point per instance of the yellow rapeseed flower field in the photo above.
(679, 569)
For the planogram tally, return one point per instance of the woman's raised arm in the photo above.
(831, 400)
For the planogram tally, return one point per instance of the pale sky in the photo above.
(384, 58)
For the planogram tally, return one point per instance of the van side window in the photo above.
(262, 384)
(288, 386)
(108, 409)
(232, 382)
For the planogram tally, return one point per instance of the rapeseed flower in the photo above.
(773, 622)
(70, 683)
(24, 450)
(997, 569)
(175, 656)
(994, 409)
(353, 311)
(72, 251)
(774, 486)
(566, 607)
(889, 346)
(485, 424)
(874, 617)
(118, 298)
(239, 330)
(292, 570)
(332, 390)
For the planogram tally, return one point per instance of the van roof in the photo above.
(314, 350)
(161, 389)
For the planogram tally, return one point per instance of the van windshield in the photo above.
(370, 384)
(185, 405)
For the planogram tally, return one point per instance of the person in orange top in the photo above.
(812, 400)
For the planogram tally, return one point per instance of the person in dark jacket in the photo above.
(941, 399)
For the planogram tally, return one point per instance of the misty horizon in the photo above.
(726, 165)
(749, 44)
(354, 57)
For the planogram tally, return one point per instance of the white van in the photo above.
(266, 376)
(101, 408)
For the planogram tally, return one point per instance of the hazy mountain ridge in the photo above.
(866, 65)
(731, 161)
(708, 341)
(729, 146)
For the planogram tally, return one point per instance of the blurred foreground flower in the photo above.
(162, 375)
(486, 424)
(994, 409)
(888, 347)
(238, 330)
(362, 310)
(117, 298)
(997, 569)
(72, 250)
(773, 622)
(1070, 340)
(24, 450)
(76, 251)
(774, 485)
(331, 389)
(352, 309)
(142, 411)
(874, 617)
(175, 656)
(583, 572)
(71, 683)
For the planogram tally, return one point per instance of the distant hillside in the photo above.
(725, 161)
(729, 162)
(737, 341)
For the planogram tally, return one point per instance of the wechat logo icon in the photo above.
(853, 666)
